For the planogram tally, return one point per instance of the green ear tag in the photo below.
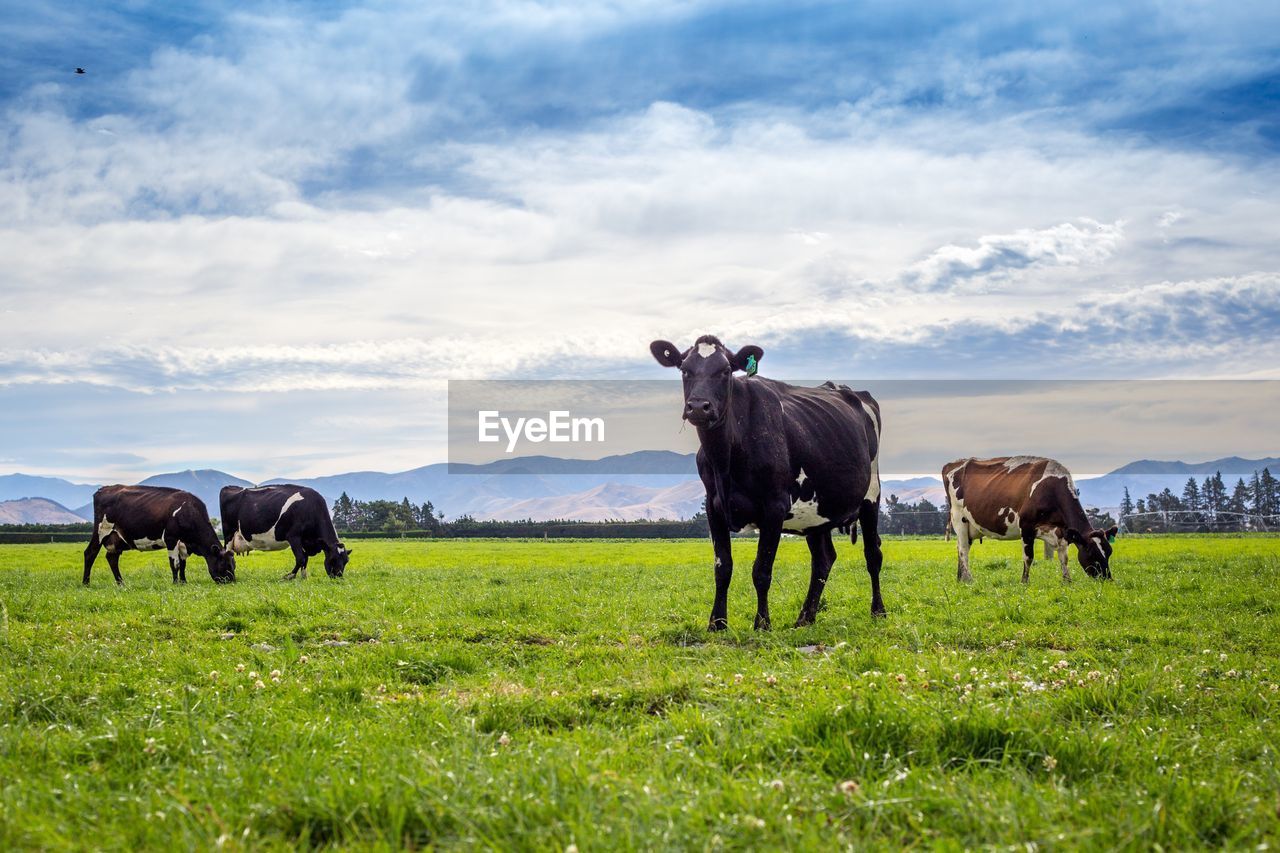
(1111, 539)
(751, 365)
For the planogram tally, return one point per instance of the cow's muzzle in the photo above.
(701, 413)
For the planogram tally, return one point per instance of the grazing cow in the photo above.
(148, 518)
(781, 458)
(272, 518)
(1026, 498)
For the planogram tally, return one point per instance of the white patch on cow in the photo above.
(804, 515)
(800, 480)
(266, 540)
(873, 487)
(1051, 469)
(1013, 529)
(706, 350)
(145, 544)
(178, 552)
(176, 511)
(105, 528)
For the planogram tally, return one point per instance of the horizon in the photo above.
(885, 476)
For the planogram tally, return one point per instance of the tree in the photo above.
(1191, 495)
(1126, 504)
(344, 513)
(1270, 492)
(1214, 494)
(1239, 500)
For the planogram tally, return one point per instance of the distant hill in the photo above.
(1233, 465)
(648, 484)
(914, 489)
(36, 511)
(204, 484)
(609, 502)
(1150, 476)
(64, 492)
(482, 490)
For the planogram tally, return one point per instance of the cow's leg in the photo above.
(721, 544)
(91, 553)
(113, 560)
(173, 567)
(822, 554)
(762, 571)
(869, 518)
(1028, 554)
(182, 569)
(962, 552)
(299, 559)
(1048, 550)
(1063, 559)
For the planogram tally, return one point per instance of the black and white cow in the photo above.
(272, 518)
(781, 458)
(148, 518)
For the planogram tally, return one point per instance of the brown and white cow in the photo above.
(1025, 498)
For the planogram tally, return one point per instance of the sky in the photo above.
(263, 237)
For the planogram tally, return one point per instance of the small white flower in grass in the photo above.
(1050, 763)
(259, 684)
(253, 673)
(771, 679)
(753, 822)
(213, 675)
(572, 848)
(150, 746)
(1231, 673)
(239, 667)
(848, 786)
(737, 678)
(1222, 656)
(275, 673)
(1168, 667)
(777, 784)
(504, 739)
(303, 659)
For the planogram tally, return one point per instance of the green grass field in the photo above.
(534, 695)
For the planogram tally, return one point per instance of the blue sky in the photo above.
(263, 236)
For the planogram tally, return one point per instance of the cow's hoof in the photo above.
(877, 612)
(288, 577)
(718, 624)
(763, 623)
(804, 621)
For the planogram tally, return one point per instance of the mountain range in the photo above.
(643, 485)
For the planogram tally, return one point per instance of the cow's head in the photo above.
(1093, 547)
(335, 562)
(222, 566)
(707, 368)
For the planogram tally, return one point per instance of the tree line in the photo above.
(1208, 505)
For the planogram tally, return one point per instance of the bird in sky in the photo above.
(79, 70)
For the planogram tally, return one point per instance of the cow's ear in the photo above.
(747, 359)
(666, 353)
(1074, 537)
(1112, 532)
